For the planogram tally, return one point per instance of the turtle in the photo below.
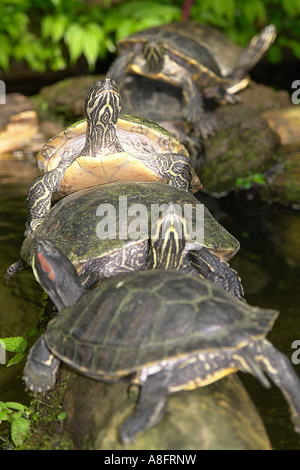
(197, 58)
(162, 330)
(161, 102)
(106, 230)
(103, 159)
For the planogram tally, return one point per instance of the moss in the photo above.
(46, 425)
(285, 188)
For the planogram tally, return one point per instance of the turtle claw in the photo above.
(41, 368)
(14, 268)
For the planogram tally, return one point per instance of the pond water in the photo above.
(268, 263)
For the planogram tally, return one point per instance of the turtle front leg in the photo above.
(41, 368)
(204, 123)
(280, 370)
(120, 67)
(39, 199)
(209, 266)
(192, 106)
(150, 408)
(40, 194)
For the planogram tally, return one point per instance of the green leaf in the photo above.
(6, 50)
(54, 26)
(3, 415)
(74, 37)
(19, 429)
(254, 10)
(16, 359)
(46, 26)
(93, 38)
(291, 8)
(14, 344)
(60, 25)
(61, 416)
(16, 406)
(17, 24)
(259, 178)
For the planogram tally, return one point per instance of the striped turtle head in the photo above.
(102, 107)
(154, 52)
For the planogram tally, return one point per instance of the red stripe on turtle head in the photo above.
(46, 267)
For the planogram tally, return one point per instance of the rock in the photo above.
(284, 186)
(264, 98)
(65, 99)
(284, 181)
(242, 145)
(286, 123)
(219, 416)
(18, 125)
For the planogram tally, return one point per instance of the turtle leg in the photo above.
(14, 268)
(221, 96)
(209, 266)
(204, 124)
(41, 368)
(40, 193)
(120, 67)
(175, 168)
(280, 370)
(39, 198)
(192, 105)
(150, 408)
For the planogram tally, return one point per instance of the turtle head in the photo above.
(56, 274)
(154, 52)
(102, 107)
(167, 245)
(103, 103)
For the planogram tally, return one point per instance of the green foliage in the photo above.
(18, 417)
(248, 181)
(56, 33)
(15, 344)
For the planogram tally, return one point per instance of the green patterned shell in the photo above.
(139, 320)
(72, 223)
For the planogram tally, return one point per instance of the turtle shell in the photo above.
(180, 42)
(73, 225)
(137, 321)
(211, 57)
(137, 135)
